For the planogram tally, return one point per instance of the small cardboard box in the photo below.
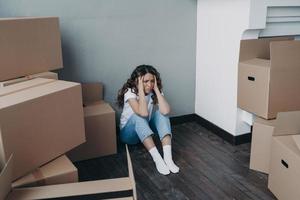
(100, 130)
(92, 92)
(58, 171)
(268, 77)
(66, 190)
(29, 45)
(284, 174)
(262, 134)
(49, 75)
(40, 119)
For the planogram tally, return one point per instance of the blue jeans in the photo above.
(138, 128)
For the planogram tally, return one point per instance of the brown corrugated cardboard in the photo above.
(287, 123)
(268, 80)
(58, 171)
(29, 45)
(67, 190)
(100, 130)
(92, 92)
(261, 144)
(49, 75)
(284, 171)
(5, 177)
(40, 123)
(284, 177)
(24, 85)
(263, 130)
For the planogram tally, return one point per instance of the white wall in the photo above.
(220, 25)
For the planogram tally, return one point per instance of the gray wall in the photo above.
(103, 40)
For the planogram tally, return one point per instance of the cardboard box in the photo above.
(29, 45)
(40, 119)
(262, 134)
(100, 130)
(58, 171)
(66, 190)
(268, 77)
(92, 92)
(49, 75)
(284, 176)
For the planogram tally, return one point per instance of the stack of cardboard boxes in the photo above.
(42, 118)
(100, 126)
(269, 87)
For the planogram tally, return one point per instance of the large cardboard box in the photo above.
(49, 75)
(100, 130)
(268, 77)
(83, 189)
(262, 134)
(40, 119)
(92, 92)
(284, 176)
(29, 45)
(58, 171)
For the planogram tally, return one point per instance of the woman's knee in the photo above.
(161, 116)
(138, 119)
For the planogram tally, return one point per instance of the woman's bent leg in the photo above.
(161, 123)
(137, 129)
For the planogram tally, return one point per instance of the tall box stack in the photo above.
(34, 124)
(40, 119)
(269, 87)
(100, 125)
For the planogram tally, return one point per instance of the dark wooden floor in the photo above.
(210, 168)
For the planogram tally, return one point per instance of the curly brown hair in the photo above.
(131, 83)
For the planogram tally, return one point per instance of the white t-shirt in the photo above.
(127, 110)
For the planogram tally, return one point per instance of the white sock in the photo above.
(159, 162)
(168, 159)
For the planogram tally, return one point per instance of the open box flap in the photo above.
(287, 123)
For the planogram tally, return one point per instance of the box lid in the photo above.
(97, 109)
(257, 62)
(24, 85)
(297, 140)
(49, 86)
(287, 123)
(290, 142)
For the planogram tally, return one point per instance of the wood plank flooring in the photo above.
(210, 168)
